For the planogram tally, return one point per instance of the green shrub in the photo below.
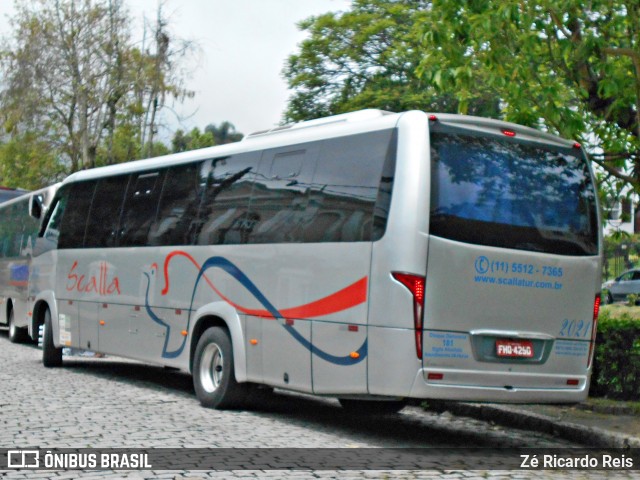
(616, 367)
(632, 300)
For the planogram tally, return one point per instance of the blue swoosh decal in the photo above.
(235, 272)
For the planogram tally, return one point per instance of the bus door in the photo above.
(277, 211)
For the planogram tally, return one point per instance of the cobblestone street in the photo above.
(115, 403)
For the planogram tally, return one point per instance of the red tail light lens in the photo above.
(416, 285)
(594, 329)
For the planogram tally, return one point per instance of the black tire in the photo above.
(372, 407)
(51, 355)
(16, 335)
(609, 298)
(213, 372)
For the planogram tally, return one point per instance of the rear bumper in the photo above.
(503, 387)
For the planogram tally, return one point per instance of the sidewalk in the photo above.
(589, 423)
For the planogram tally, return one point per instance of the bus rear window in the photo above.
(498, 192)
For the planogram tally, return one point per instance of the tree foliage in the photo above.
(367, 57)
(75, 80)
(212, 135)
(195, 139)
(569, 67)
(27, 161)
(224, 133)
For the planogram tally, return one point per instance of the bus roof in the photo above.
(334, 126)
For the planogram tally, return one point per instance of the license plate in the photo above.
(514, 348)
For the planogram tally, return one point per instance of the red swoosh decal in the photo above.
(343, 299)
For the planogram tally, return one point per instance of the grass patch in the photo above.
(617, 310)
(606, 405)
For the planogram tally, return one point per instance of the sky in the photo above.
(243, 46)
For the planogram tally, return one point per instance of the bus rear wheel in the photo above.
(372, 407)
(16, 335)
(51, 355)
(213, 371)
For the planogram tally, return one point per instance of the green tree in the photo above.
(569, 66)
(26, 161)
(73, 73)
(224, 133)
(195, 139)
(367, 57)
(61, 72)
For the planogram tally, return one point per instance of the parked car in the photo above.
(625, 284)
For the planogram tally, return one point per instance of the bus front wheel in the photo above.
(51, 355)
(213, 371)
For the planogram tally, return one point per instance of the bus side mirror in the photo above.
(35, 206)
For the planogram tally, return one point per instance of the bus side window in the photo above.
(105, 212)
(281, 193)
(383, 200)
(4, 222)
(75, 215)
(14, 231)
(224, 217)
(140, 208)
(345, 194)
(52, 231)
(178, 208)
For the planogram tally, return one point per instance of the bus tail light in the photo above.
(594, 329)
(415, 284)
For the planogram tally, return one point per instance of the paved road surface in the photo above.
(111, 402)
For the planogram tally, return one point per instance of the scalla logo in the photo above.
(103, 282)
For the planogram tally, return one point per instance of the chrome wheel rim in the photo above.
(211, 367)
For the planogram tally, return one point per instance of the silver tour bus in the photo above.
(18, 233)
(374, 257)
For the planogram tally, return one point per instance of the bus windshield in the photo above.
(499, 192)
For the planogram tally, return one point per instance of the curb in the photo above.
(514, 417)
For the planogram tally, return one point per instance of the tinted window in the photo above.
(224, 216)
(17, 229)
(103, 222)
(51, 224)
(281, 194)
(493, 191)
(9, 193)
(140, 208)
(27, 226)
(335, 190)
(176, 222)
(349, 189)
(75, 215)
(5, 231)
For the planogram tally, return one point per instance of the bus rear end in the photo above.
(504, 307)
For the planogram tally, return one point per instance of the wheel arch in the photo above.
(8, 308)
(221, 314)
(41, 305)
